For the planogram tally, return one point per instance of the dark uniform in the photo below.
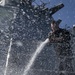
(61, 42)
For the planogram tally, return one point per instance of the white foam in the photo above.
(8, 56)
(35, 54)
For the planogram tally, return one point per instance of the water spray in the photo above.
(35, 54)
(8, 56)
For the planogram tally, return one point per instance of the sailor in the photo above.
(60, 38)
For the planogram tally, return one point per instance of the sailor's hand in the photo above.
(50, 34)
(52, 40)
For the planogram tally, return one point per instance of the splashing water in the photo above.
(8, 56)
(35, 54)
(2, 2)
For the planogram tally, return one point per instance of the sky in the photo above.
(66, 14)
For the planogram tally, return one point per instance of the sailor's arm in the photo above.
(65, 37)
(56, 39)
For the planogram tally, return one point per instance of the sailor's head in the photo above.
(55, 24)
